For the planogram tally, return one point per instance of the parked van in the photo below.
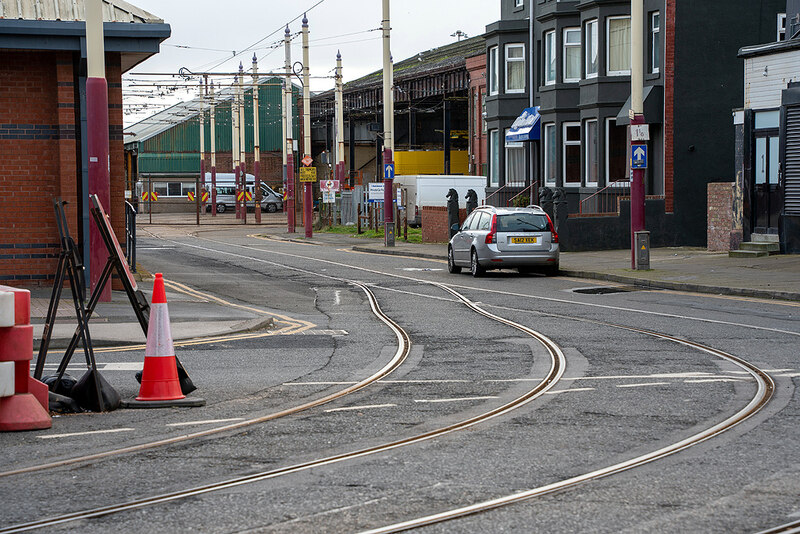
(431, 190)
(271, 201)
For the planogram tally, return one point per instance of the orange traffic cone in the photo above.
(160, 384)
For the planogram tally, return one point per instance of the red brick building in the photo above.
(42, 125)
(476, 67)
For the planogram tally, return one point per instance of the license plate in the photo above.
(524, 240)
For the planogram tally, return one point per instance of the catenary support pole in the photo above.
(339, 121)
(213, 121)
(235, 143)
(308, 200)
(201, 179)
(242, 146)
(388, 141)
(97, 138)
(288, 100)
(637, 109)
(256, 147)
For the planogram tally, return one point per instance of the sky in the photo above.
(205, 35)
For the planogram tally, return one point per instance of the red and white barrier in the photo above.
(23, 400)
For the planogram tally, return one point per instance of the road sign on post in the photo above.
(388, 171)
(308, 174)
(307, 161)
(638, 156)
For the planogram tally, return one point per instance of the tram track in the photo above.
(556, 371)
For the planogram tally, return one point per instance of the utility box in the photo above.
(642, 240)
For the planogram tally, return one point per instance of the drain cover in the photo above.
(604, 290)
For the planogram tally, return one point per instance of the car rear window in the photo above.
(522, 222)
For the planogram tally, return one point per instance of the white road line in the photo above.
(365, 407)
(456, 399)
(556, 392)
(110, 431)
(207, 422)
(706, 380)
(790, 375)
(643, 385)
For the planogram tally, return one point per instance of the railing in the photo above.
(130, 235)
(498, 192)
(606, 200)
(532, 191)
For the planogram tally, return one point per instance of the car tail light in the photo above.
(491, 237)
(554, 234)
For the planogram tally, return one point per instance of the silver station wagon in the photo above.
(505, 238)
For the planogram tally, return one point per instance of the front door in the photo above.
(767, 196)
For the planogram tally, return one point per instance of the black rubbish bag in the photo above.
(187, 386)
(85, 392)
(61, 404)
(65, 385)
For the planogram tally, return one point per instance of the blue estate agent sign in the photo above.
(388, 171)
(638, 156)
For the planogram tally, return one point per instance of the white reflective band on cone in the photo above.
(159, 336)
(6, 379)
(6, 308)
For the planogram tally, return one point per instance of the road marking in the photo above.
(555, 392)
(706, 380)
(337, 297)
(457, 399)
(419, 269)
(365, 407)
(643, 385)
(207, 422)
(110, 431)
(114, 366)
(789, 375)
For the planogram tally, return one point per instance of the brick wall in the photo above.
(669, 105)
(39, 159)
(434, 224)
(722, 232)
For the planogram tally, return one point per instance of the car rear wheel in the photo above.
(452, 268)
(272, 208)
(220, 208)
(476, 268)
(551, 270)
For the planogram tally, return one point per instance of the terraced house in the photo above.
(568, 63)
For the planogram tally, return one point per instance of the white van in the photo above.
(431, 190)
(271, 201)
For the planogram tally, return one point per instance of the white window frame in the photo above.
(565, 46)
(494, 73)
(610, 72)
(655, 35)
(607, 152)
(519, 181)
(591, 43)
(550, 57)
(781, 36)
(546, 128)
(508, 60)
(586, 151)
(564, 145)
(494, 166)
(519, 3)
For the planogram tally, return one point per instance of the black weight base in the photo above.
(178, 403)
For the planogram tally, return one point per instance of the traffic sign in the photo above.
(328, 197)
(204, 197)
(375, 192)
(640, 132)
(240, 196)
(307, 160)
(248, 195)
(329, 185)
(150, 196)
(638, 156)
(308, 174)
(190, 196)
(388, 171)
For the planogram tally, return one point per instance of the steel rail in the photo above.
(403, 349)
(766, 388)
(557, 366)
(789, 528)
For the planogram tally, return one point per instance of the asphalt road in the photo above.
(623, 394)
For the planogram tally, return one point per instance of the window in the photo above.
(572, 154)
(619, 46)
(781, 26)
(515, 68)
(592, 153)
(484, 222)
(172, 189)
(572, 55)
(550, 58)
(549, 139)
(519, 3)
(515, 163)
(493, 85)
(591, 49)
(655, 42)
(494, 159)
(616, 152)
